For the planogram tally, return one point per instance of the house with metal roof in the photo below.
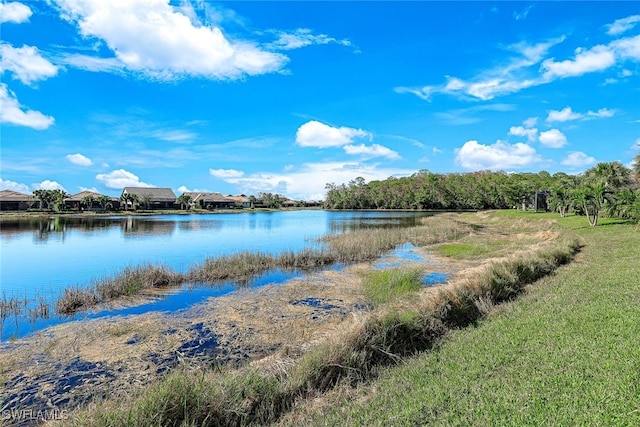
(14, 201)
(151, 197)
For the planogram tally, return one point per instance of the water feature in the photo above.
(41, 256)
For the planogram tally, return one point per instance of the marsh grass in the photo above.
(346, 248)
(387, 336)
(383, 286)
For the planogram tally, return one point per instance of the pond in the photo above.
(41, 256)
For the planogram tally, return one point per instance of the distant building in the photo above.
(210, 200)
(13, 201)
(77, 201)
(152, 197)
(241, 201)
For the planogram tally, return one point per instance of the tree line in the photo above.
(608, 188)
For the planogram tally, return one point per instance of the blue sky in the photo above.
(249, 97)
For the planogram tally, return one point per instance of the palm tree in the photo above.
(592, 198)
(58, 199)
(127, 198)
(88, 201)
(105, 202)
(614, 175)
(184, 201)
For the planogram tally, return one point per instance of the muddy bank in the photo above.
(72, 364)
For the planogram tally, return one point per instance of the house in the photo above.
(150, 197)
(13, 201)
(210, 200)
(241, 201)
(78, 201)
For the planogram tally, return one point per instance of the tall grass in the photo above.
(387, 336)
(352, 247)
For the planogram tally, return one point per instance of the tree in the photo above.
(146, 200)
(591, 198)
(613, 175)
(46, 197)
(184, 201)
(88, 201)
(127, 199)
(105, 202)
(636, 166)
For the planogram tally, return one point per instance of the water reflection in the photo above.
(74, 251)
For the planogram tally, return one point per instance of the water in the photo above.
(40, 257)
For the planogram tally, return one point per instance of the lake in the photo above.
(41, 256)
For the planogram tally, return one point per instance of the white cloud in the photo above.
(185, 189)
(530, 122)
(226, 173)
(601, 113)
(620, 26)
(316, 134)
(530, 133)
(158, 40)
(501, 155)
(48, 185)
(628, 48)
(303, 37)
(597, 58)
(12, 112)
(309, 181)
(578, 159)
(15, 186)
(14, 12)
(567, 114)
(173, 135)
(79, 159)
(375, 150)
(553, 138)
(563, 115)
(521, 72)
(120, 178)
(25, 63)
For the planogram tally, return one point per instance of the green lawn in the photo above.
(566, 353)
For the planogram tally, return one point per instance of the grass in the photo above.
(384, 286)
(357, 246)
(392, 334)
(567, 353)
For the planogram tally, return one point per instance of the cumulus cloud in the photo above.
(597, 58)
(158, 40)
(48, 185)
(303, 37)
(578, 159)
(79, 159)
(25, 63)
(501, 155)
(15, 186)
(119, 179)
(316, 134)
(375, 150)
(14, 12)
(620, 26)
(226, 173)
(14, 113)
(553, 138)
(530, 133)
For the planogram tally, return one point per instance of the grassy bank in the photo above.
(403, 324)
(566, 354)
(357, 246)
